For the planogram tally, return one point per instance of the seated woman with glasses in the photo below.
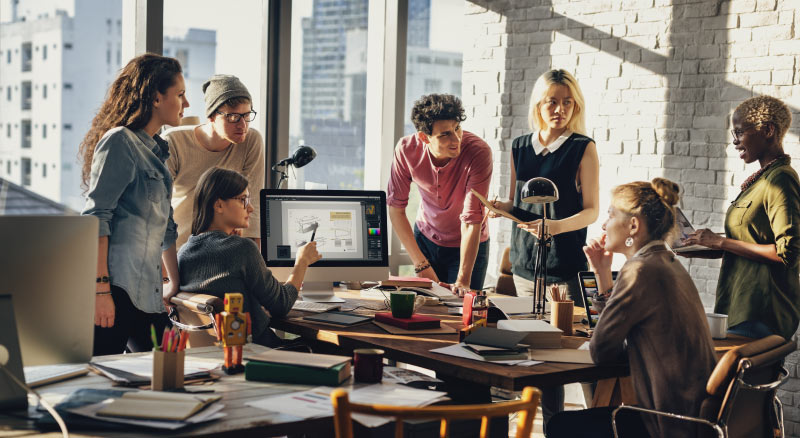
(759, 287)
(654, 318)
(216, 260)
(225, 140)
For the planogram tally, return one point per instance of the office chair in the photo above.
(342, 410)
(741, 400)
(505, 278)
(195, 314)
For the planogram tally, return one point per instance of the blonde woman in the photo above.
(653, 303)
(559, 150)
(758, 284)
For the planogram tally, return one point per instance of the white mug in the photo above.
(718, 324)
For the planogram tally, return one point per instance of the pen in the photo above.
(153, 336)
(313, 234)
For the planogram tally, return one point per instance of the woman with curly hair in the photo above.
(129, 191)
(758, 284)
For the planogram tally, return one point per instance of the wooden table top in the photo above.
(415, 350)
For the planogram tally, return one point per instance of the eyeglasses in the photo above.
(235, 117)
(737, 133)
(245, 200)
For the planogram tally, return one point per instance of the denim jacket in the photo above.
(130, 190)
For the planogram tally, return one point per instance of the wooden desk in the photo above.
(241, 421)
(414, 350)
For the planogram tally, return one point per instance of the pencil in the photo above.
(153, 336)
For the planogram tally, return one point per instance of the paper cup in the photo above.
(718, 324)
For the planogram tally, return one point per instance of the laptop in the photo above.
(588, 284)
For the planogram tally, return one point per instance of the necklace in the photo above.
(752, 178)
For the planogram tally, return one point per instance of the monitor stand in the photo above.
(12, 397)
(319, 292)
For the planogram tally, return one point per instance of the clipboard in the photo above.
(491, 208)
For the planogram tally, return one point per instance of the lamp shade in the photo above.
(539, 191)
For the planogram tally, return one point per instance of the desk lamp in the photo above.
(540, 191)
(302, 156)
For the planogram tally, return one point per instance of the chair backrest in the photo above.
(526, 406)
(742, 387)
(195, 310)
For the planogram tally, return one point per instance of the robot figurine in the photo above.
(233, 327)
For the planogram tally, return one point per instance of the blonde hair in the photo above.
(652, 201)
(577, 123)
(761, 110)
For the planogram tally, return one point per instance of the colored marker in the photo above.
(153, 336)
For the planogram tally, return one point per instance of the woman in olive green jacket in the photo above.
(759, 287)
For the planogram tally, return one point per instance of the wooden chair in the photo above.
(342, 409)
(741, 400)
(195, 314)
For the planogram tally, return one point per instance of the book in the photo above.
(299, 358)
(157, 405)
(407, 282)
(341, 319)
(415, 322)
(492, 337)
(491, 208)
(45, 374)
(536, 332)
(293, 373)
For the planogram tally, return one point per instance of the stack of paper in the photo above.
(138, 370)
(539, 333)
(316, 402)
(154, 409)
(496, 345)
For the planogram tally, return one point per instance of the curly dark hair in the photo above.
(129, 101)
(434, 107)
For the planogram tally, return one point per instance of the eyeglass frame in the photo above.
(737, 137)
(245, 200)
(238, 116)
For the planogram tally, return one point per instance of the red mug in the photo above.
(368, 363)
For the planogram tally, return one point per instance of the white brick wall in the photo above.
(660, 78)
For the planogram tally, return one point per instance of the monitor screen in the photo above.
(48, 267)
(349, 227)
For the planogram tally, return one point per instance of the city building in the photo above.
(54, 72)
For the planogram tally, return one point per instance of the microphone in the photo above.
(302, 156)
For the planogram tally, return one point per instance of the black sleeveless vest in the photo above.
(565, 257)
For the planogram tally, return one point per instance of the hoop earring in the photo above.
(629, 242)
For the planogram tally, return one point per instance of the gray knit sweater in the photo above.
(215, 263)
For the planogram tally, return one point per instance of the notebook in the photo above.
(685, 228)
(338, 318)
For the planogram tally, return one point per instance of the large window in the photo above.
(47, 43)
(328, 91)
(433, 65)
(210, 38)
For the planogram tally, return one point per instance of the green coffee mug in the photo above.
(402, 303)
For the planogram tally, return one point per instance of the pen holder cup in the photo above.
(167, 370)
(561, 316)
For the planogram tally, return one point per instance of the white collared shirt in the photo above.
(538, 148)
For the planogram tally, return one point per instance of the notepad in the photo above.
(157, 405)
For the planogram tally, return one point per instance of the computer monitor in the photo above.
(48, 266)
(349, 227)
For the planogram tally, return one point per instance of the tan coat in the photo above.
(656, 308)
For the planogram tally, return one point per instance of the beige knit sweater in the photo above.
(188, 160)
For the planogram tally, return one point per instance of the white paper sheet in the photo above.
(143, 365)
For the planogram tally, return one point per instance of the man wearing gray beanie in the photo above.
(225, 140)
